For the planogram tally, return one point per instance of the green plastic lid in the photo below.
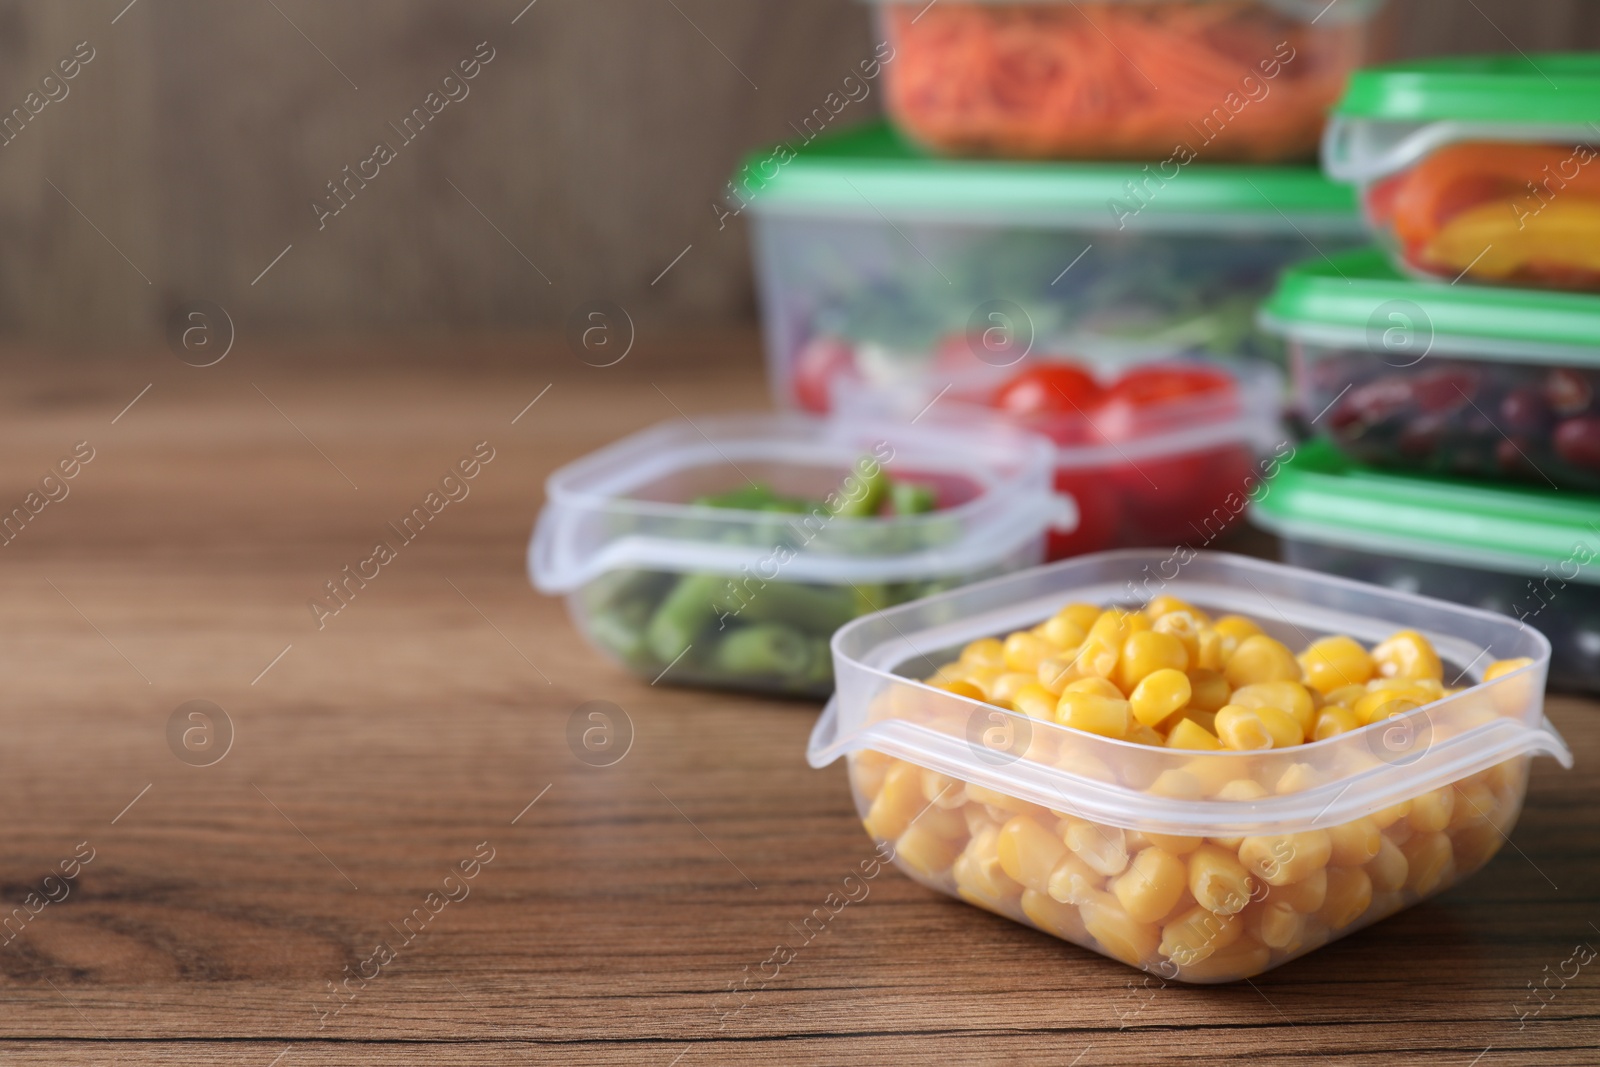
(1550, 89)
(1355, 297)
(871, 171)
(1320, 496)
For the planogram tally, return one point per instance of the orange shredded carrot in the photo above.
(1229, 79)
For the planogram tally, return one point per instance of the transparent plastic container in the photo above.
(1524, 552)
(1489, 383)
(1170, 472)
(879, 265)
(1239, 80)
(1478, 169)
(691, 594)
(1038, 822)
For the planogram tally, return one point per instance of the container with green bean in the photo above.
(726, 552)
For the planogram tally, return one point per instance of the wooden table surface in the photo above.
(414, 730)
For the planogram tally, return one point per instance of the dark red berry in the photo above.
(1569, 392)
(1524, 410)
(1444, 390)
(1578, 441)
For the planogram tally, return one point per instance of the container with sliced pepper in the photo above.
(1200, 765)
(1478, 169)
(726, 551)
(1444, 379)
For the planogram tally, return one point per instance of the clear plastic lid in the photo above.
(631, 504)
(1314, 11)
(880, 705)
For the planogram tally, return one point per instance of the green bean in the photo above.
(621, 629)
(684, 614)
(818, 609)
(768, 648)
(912, 498)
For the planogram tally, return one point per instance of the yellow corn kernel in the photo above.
(867, 770)
(1407, 654)
(925, 851)
(1197, 934)
(1103, 848)
(1242, 789)
(897, 802)
(1178, 846)
(1382, 704)
(1333, 662)
(1159, 694)
(1261, 659)
(1213, 649)
(1243, 729)
(1056, 672)
(1166, 604)
(1136, 621)
(1245, 958)
(1190, 734)
(1297, 778)
(1277, 925)
(1286, 696)
(1119, 935)
(1208, 690)
(1178, 784)
(1005, 688)
(1387, 817)
(963, 688)
(1035, 701)
(943, 791)
(1475, 803)
(978, 819)
(1389, 868)
(1206, 720)
(1219, 881)
(1475, 845)
(1074, 881)
(1502, 667)
(1354, 842)
(1150, 886)
(1141, 734)
(1028, 852)
(1096, 657)
(1345, 696)
(1333, 721)
(1144, 653)
(1082, 616)
(1348, 897)
(1185, 627)
(1098, 686)
(1061, 632)
(1061, 920)
(1431, 811)
(1281, 859)
(1235, 626)
(978, 872)
(1306, 895)
(1429, 858)
(984, 652)
(1022, 652)
(1094, 714)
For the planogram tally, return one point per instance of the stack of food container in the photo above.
(1453, 377)
(1069, 226)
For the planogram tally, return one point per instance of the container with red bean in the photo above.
(1479, 382)
(1125, 751)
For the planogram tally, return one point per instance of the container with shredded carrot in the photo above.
(1219, 80)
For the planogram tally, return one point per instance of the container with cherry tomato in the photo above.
(877, 264)
(1159, 454)
(1481, 382)
(1483, 169)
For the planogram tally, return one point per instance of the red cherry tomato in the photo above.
(1099, 513)
(1133, 405)
(1049, 389)
(818, 363)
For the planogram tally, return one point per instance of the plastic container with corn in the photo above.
(1166, 780)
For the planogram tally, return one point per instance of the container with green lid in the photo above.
(878, 263)
(1533, 554)
(1483, 382)
(1478, 168)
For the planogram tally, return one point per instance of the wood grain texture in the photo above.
(589, 153)
(618, 909)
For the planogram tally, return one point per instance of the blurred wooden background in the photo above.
(584, 161)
